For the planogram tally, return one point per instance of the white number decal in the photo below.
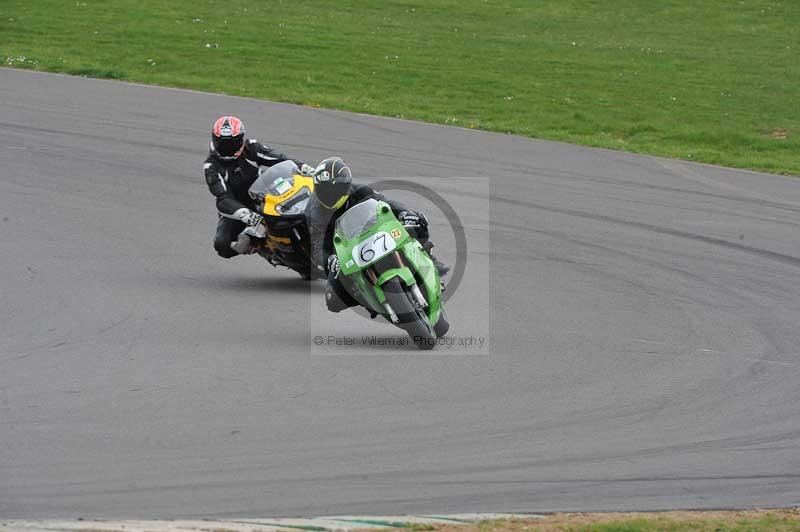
(373, 248)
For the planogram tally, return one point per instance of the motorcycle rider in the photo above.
(334, 194)
(230, 168)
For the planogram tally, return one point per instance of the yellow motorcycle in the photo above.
(282, 194)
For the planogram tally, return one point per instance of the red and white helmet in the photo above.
(227, 138)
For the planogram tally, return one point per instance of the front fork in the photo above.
(416, 293)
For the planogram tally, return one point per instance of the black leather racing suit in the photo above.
(229, 182)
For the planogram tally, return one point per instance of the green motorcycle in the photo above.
(389, 272)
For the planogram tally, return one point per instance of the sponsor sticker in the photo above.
(282, 186)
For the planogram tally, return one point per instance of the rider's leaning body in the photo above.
(334, 194)
(230, 169)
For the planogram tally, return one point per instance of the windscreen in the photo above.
(267, 181)
(358, 219)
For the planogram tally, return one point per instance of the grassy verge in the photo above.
(733, 521)
(710, 81)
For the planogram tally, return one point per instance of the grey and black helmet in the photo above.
(332, 179)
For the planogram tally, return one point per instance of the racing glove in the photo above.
(411, 219)
(248, 217)
(306, 169)
(333, 266)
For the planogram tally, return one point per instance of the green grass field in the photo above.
(714, 81)
(786, 520)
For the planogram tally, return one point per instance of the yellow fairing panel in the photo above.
(299, 182)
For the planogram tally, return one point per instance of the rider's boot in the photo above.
(440, 266)
(244, 245)
(333, 301)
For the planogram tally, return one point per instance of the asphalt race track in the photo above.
(642, 320)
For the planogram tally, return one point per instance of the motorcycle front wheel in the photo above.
(412, 319)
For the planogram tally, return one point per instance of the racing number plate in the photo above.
(373, 248)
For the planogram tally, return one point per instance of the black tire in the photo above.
(442, 326)
(412, 320)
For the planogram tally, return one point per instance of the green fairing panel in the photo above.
(363, 213)
(403, 273)
(364, 221)
(421, 262)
